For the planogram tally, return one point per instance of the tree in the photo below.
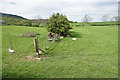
(105, 18)
(37, 21)
(58, 24)
(116, 19)
(87, 18)
(24, 23)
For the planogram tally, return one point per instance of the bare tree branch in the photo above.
(87, 18)
(105, 18)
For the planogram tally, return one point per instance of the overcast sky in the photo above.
(73, 9)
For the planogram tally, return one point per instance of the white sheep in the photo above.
(12, 51)
(73, 38)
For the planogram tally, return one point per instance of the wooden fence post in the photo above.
(36, 45)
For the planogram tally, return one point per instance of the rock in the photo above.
(61, 37)
(21, 35)
(38, 30)
(50, 35)
(49, 39)
(71, 33)
(68, 35)
(29, 34)
(38, 58)
(40, 51)
(37, 33)
(56, 39)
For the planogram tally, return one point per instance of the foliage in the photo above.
(35, 25)
(24, 23)
(38, 22)
(58, 23)
(11, 20)
(16, 21)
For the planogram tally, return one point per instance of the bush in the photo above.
(58, 24)
(35, 25)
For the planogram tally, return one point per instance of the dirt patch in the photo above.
(29, 34)
(35, 58)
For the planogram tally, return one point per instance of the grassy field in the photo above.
(109, 23)
(93, 55)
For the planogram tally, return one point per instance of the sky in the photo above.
(75, 10)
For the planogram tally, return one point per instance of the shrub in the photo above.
(35, 25)
(58, 24)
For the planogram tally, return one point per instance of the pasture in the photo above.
(93, 55)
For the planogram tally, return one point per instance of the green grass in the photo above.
(93, 55)
(109, 23)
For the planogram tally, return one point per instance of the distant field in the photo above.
(109, 23)
(93, 55)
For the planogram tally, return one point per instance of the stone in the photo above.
(71, 33)
(68, 35)
(61, 37)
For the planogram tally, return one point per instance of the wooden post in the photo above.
(36, 45)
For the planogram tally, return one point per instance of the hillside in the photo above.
(10, 19)
(12, 16)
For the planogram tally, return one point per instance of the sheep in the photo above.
(73, 38)
(12, 51)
